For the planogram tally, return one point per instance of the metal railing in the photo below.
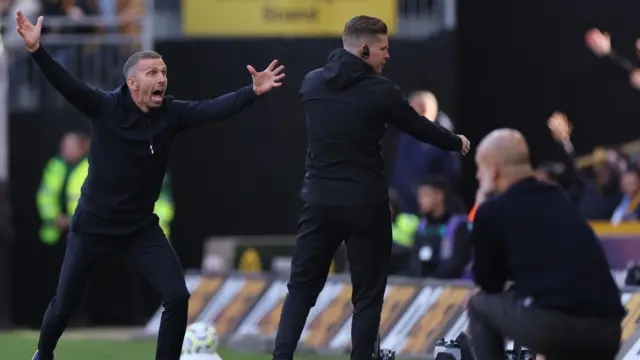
(91, 48)
(422, 19)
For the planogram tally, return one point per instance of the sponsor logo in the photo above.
(431, 326)
(396, 300)
(265, 316)
(399, 334)
(630, 322)
(202, 295)
(234, 300)
(324, 326)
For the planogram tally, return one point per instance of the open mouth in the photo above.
(157, 94)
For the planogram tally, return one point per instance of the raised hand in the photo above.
(30, 33)
(267, 79)
(560, 127)
(598, 42)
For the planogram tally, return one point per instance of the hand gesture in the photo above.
(267, 79)
(635, 78)
(598, 42)
(466, 145)
(30, 33)
(560, 127)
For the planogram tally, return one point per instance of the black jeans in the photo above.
(149, 253)
(550, 333)
(321, 229)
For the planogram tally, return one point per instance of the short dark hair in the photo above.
(363, 25)
(135, 58)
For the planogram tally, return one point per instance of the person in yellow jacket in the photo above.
(164, 207)
(61, 186)
(59, 189)
(403, 229)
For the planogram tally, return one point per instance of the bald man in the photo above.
(564, 303)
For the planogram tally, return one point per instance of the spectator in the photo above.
(629, 207)
(404, 227)
(415, 160)
(563, 174)
(442, 242)
(602, 195)
(130, 11)
(56, 201)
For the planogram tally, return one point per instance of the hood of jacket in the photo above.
(344, 69)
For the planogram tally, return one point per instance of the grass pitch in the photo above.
(20, 345)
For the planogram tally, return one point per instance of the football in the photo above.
(200, 338)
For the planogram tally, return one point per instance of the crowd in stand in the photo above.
(431, 227)
(128, 11)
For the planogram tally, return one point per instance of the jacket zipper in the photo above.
(150, 137)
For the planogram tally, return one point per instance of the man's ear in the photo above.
(131, 83)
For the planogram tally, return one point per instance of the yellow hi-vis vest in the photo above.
(404, 229)
(50, 191)
(164, 208)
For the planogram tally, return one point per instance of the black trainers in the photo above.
(527, 355)
(386, 354)
(38, 356)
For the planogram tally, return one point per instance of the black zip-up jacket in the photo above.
(347, 108)
(129, 148)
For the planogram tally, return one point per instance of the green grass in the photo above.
(20, 345)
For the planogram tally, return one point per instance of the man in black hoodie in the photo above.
(347, 106)
(132, 127)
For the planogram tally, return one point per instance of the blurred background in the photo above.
(230, 201)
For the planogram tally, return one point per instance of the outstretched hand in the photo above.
(30, 33)
(466, 145)
(267, 79)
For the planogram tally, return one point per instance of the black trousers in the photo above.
(150, 254)
(550, 333)
(321, 229)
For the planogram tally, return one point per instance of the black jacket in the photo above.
(347, 108)
(536, 237)
(129, 149)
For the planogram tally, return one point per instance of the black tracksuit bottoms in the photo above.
(148, 252)
(366, 231)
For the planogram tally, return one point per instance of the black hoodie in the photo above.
(129, 148)
(347, 107)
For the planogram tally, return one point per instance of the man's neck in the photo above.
(139, 103)
(514, 176)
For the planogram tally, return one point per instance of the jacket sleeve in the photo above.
(195, 113)
(489, 268)
(89, 101)
(405, 118)
(453, 267)
(574, 183)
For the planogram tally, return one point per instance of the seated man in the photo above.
(564, 303)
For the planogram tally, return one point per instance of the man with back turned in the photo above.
(563, 303)
(347, 106)
(132, 127)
